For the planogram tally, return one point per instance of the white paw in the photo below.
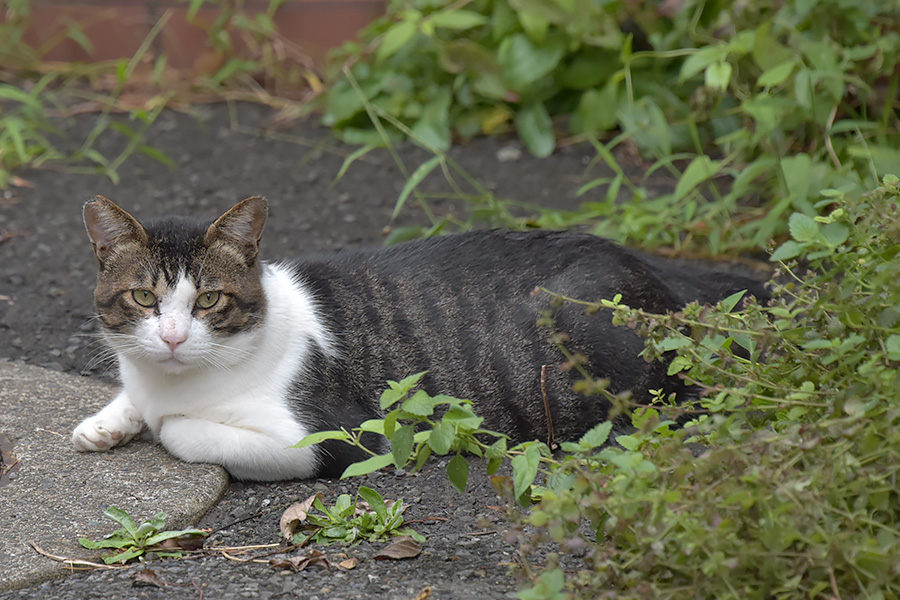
(107, 428)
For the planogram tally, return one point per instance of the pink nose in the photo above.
(173, 340)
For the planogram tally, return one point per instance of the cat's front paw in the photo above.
(107, 428)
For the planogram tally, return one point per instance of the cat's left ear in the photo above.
(242, 226)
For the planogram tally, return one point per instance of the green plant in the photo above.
(133, 540)
(369, 518)
(784, 483)
(752, 110)
(415, 432)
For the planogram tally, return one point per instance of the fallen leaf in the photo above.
(298, 563)
(20, 182)
(147, 577)
(347, 564)
(403, 546)
(295, 515)
(424, 594)
(188, 541)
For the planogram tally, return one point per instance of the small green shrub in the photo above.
(369, 518)
(133, 541)
(794, 490)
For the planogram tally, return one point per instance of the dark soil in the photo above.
(47, 272)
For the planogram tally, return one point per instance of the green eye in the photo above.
(208, 299)
(144, 297)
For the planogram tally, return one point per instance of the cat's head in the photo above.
(178, 294)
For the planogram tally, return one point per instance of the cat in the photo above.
(228, 359)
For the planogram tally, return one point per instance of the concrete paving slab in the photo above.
(58, 495)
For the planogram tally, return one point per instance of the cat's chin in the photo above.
(174, 366)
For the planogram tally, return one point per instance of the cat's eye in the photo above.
(144, 297)
(208, 299)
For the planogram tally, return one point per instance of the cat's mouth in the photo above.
(173, 364)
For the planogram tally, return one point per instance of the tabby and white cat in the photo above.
(230, 360)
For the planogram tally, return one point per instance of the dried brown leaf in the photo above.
(20, 182)
(295, 514)
(403, 546)
(346, 564)
(298, 563)
(147, 577)
(424, 594)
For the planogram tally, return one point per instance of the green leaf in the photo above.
(375, 501)
(395, 38)
(731, 301)
(786, 251)
(353, 157)
(892, 345)
(441, 437)
(122, 518)
(718, 75)
(457, 19)
(413, 182)
(373, 426)
(369, 465)
(776, 75)
(525, 468)
(496, 450)
(398, 389)
(803, 228)
(462, 417)
(678, 364)
(123, 557)
(700, 61)
(835, 234)
(701, 169)
(458, 472)
(536, 129)
(119, 539)
(168, 535)
(419, 404)
(321, 436)
(597, 435)
(523, 62)
(402, 445)
(432, 130)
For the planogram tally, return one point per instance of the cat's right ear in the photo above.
(242, 226)
(108, 225)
